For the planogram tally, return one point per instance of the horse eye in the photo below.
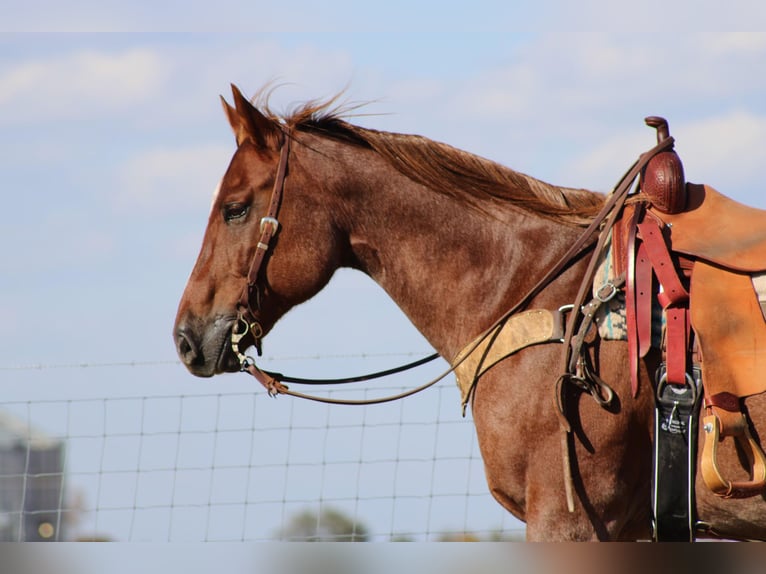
(234, 211)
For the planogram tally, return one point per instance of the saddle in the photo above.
(696, 252)
(690, 265)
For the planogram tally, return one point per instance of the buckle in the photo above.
(606, 292)
(270, 221)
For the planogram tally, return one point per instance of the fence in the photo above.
(161, 457)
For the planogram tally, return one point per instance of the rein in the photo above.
(269, 225)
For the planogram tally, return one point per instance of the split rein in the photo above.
(269, 225)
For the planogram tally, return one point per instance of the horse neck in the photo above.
(451, 268)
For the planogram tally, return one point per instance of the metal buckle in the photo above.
(270, 221)
(680, 394)
(612, 291)
(560, 320)
(679, 400)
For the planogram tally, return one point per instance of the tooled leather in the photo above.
(663, 182)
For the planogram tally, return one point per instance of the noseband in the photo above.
(250, 299)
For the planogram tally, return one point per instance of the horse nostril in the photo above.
(187, 350)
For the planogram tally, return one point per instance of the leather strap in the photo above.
(674, 298)
(638, 299)
(604, 221)
(674, 292)
(522, 330)
(250, 296)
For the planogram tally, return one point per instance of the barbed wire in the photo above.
(145, 363)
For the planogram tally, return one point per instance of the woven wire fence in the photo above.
(214, 463)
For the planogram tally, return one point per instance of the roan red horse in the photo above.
(456, 241)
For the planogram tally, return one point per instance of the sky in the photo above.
(111, 146)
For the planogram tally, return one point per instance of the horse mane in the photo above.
(446, 169)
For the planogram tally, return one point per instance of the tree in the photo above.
(327, 525)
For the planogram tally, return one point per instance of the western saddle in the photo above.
(695, 255)
(695, 252)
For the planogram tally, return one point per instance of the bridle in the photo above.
(250, 299)
(251, 296)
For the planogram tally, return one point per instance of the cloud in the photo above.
(575, 73)
(725, 151)
(78, 84)
(737, 43)
(166, 179)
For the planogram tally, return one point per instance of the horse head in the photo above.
(297, 261)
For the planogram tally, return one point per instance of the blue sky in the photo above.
(111, 146)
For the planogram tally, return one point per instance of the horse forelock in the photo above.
(476, 181)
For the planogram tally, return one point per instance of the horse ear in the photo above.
(247, 122)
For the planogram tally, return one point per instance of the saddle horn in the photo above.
(663, 177)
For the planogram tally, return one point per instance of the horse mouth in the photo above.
(227, 362)
(208, 352)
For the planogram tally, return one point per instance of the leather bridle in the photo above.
(251, 296)
(250, 301)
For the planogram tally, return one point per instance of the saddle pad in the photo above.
(610, 318)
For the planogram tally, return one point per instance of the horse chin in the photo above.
(227, 360)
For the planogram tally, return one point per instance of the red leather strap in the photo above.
(674, 292)
(638, 299)
(644, 292)
(676, 343)
(724, 400)
(674, 298)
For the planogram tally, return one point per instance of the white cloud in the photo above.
(725, 151)
(738, 43)
(78, 84)
(171, 179)
(570, 74)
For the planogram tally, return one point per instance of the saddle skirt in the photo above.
(727, 240)
(719, 230)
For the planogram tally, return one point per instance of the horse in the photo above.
(455, 240)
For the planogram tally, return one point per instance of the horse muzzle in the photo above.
(206, 351)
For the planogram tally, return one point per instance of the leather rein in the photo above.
(250, 299)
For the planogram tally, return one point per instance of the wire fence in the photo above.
(238, 466)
